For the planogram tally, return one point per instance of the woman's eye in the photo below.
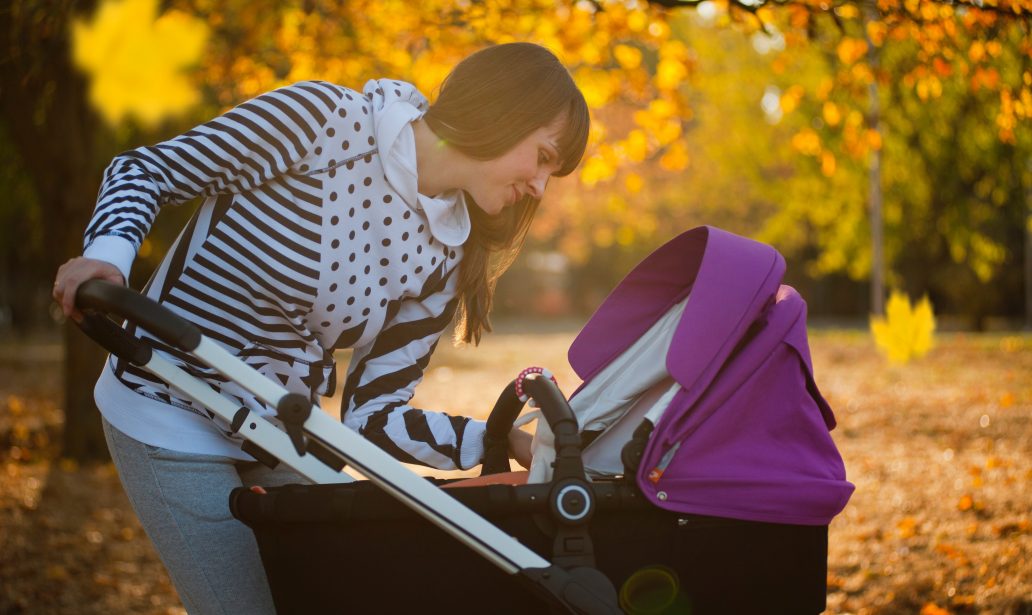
(543, 157)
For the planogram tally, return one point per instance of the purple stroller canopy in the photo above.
(747, 436)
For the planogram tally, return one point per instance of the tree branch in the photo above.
(751, 6)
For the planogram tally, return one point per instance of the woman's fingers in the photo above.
(520, 446)
(73, 273)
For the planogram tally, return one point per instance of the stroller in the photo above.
(706, 487)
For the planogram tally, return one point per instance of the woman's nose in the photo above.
(538, 183)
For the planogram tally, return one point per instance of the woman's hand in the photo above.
(75, 272)
(519, 446)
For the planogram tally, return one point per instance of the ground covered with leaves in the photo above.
(940, 451)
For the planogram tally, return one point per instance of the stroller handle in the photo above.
(107, 298)
(553, 405)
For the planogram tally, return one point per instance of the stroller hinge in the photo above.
(293, 410)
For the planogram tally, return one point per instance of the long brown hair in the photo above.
(489, 102)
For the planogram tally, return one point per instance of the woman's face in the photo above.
(523, 170)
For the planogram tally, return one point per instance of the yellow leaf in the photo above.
(636, 146)
(922, 89)
(874, 140)
(676, 157)
(807, 142)
(876, 31)
(824, 88)
(668, 132)
(847, 11)
(933, 609)
(594, 170)
(977, 51)
(832, 115)
(790, 99)
(905, 332)
(828, 163)
(595, 86)
(670, 73)
(661, 108)
(628, 57)
(850, 50)
(136, 59)
(637, 20)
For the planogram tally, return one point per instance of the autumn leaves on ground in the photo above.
(939, 450)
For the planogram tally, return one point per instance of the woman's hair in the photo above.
(489, 102)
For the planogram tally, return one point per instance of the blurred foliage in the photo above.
(752, 116)
(906, 331)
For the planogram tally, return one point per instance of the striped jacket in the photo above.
(303, 245)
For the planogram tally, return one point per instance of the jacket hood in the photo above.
(396, 104)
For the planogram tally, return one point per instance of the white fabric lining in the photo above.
(634, 386)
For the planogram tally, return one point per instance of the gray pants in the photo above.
(182, 500)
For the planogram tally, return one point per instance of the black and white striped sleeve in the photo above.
(235, 152)
(381, 381)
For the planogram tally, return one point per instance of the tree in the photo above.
(56, 135)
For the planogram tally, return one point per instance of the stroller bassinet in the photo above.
(722, 507)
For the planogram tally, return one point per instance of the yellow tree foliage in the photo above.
(622, 53)
(633, 59)
(137, 59)
(906, 331)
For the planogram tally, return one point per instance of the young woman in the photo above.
(333, 219)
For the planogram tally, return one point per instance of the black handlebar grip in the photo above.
(550, 399)
(496, 436)
(115, 339)
(553, 406)
(108, 298)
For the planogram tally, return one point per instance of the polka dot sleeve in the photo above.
(238, 151)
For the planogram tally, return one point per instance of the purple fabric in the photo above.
(749, 425)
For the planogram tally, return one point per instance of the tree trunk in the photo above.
(83, 438)
(49, 121)
(874, 183)
(1028, 246)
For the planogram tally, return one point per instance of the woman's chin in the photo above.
(493, 209)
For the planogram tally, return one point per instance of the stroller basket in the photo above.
(336, 548)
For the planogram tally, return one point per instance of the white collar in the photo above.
(446, 213)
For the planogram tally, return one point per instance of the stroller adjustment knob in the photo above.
(572, 502)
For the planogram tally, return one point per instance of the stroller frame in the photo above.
(575, 586)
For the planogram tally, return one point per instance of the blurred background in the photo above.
(883, 146)
(879, 145)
